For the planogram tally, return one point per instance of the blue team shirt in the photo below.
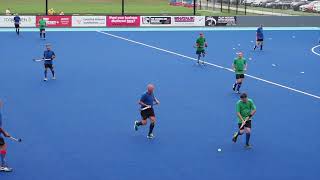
(148, 99)
(48, 55)
(16, 19)
(260, 33)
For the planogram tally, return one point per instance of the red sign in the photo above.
(56, 21)
(123, 21)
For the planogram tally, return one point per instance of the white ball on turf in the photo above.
(219, 150)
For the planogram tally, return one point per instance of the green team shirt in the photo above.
(239, 65)
(42, 24)
(201, 42)
(245, 108)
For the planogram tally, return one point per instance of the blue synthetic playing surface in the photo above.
(81, 125)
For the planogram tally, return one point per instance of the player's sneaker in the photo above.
(238, 92)
(150, 136)
(54, 78)
(136, 126)
(234, 87)
(235, 137)
(45, 79)
(248, 146)
(5, 169)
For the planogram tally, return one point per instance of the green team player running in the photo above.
(42, 27)
(245, 111)
(201, 44)
(239, 66)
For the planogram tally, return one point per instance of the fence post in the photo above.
(122, 8)
(46, 7)
(245, 7)
(194, 7)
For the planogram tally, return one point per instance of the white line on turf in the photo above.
(313, 50)
(211, 64)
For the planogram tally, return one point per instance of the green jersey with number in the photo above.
(245, 108)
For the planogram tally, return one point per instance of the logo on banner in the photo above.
(220, 21)
(156, 20)
(188, 21)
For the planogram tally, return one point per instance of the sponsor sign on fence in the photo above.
(56, 21)
(89, 21)
(156, 21)
(26, 21)
(123, 21)
(188, 20)
(221, 20)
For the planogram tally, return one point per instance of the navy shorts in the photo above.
(200, 52)
(248, 125)
(239, 76)
(145, 114)
(50, 66)
(2, 141)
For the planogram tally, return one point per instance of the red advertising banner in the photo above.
(56, 21)
(123, 21)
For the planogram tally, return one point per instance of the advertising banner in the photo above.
(188, 21)
(123, 21)
(26, 21)
(56, 21)
(221, 20)
(156, 21)
(89, 21)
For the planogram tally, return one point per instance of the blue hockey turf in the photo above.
(80, 126)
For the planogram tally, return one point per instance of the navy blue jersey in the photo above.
(260, 33)
(148, 99)
(16, 20)
(48, 54)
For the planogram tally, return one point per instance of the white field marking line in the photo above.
(313, 50)
(211, 64)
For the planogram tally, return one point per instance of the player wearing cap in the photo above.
(245, 109)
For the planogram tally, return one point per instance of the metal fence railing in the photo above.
(162, 7)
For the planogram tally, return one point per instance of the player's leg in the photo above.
(256, 45)
(44, 33)
(199, 55)
(152, 124)
(45, 72)
(40, 33)
(52, 71)
(203, 55)
(261, 44)
(143, 122)
(240, 80)
(247, 129)
(238, 133)
(3, 152)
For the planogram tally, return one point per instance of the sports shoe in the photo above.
(5, 169)
(235, 137)
(248, 146)
(238, 92)
(54, 78)
(136, 126)
(150, 136)
(45, 79)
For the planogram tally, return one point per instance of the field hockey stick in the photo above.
(15, 139)
(38, 60)
(244, 122)
(147, 107)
